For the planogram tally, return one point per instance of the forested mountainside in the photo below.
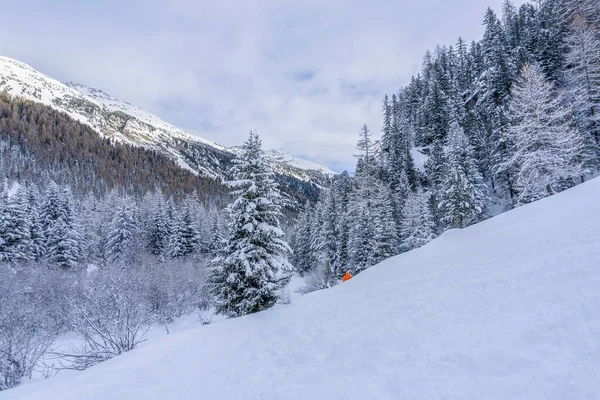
(111, 222)
(500, 122)
(40, 144)
(122, 122)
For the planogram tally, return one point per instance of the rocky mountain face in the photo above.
(123, 122)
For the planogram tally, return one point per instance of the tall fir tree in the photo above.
(253, 266)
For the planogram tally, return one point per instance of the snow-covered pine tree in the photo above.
(362, 240)
(418, 227)
(217, 234)
(329, 233)
(36, 231)
(546, 149)
(385, 230)
(464, 195)
(62, 238)
(158, 228)
(176, 244)
(343, 193)
(15, 241)
(361, 206)
(253, 266)
(189, 232)
(122, 237)
(302, 251)
(583, 75)
(546, 28)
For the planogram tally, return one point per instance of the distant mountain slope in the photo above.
(121, 121)
(505, 309)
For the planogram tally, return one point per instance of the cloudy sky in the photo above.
(305, 73)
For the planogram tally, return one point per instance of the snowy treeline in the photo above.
(53, 227)
(507, 120)
(105, 268)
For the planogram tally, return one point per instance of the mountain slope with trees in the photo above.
(507, 308)
(506, 120)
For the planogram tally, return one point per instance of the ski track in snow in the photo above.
(505, 309)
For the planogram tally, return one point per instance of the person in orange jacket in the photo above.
(347, 276)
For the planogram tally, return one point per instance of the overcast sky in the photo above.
(305, 73)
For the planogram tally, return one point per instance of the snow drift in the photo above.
(508, 308)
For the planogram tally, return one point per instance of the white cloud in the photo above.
(305, 74)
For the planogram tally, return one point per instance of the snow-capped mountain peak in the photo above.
(124, 122)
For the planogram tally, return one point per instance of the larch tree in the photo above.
(546, 148)
(253, 267)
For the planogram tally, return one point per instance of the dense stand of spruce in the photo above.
(105, 239)
(506, 120)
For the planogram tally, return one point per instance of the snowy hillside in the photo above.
(124, 122)
(508, 308)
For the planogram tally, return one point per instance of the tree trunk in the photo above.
(549, 189)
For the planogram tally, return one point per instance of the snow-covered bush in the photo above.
(111, 315)
(175, 288)
(31, 317)
(315, 280)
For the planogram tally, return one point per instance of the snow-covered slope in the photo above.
(506, 309)
(122, 121)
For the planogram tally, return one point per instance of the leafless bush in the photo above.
(314, 280)
(110, 316)
(175, 288)
(29, 320)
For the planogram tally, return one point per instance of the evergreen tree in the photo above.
(217, 233)
(14, 229)
(362, 243)
(190, 237)
(363, 201)
(546, 149)
(385, 230)
(158, 229)
(302, 251)
(549, 47)
(62, 238)
(121, 243)
(176, 245)
(343, 193)
(253, 266)
(36, 232)
(417, 227)
(463, 198)
(583, 75)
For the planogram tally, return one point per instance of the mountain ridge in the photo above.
(124, 122)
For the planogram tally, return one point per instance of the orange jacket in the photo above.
(347, 276)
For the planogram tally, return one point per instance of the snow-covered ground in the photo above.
(506, 309)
